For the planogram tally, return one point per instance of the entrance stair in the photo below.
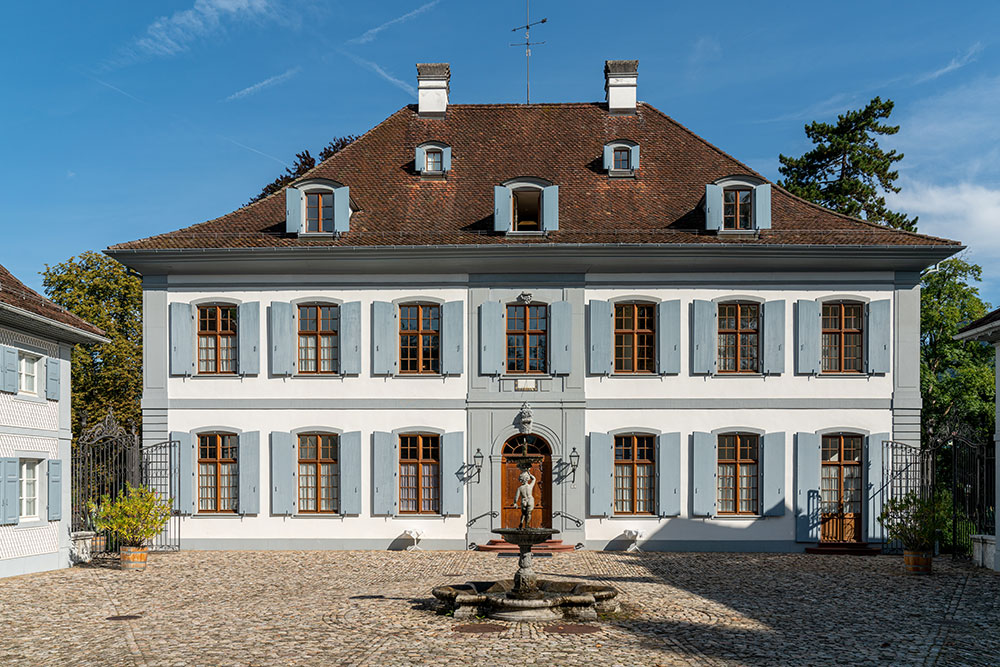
(505, 547)
(844, 549)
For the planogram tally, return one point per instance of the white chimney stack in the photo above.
(432, 89)
(620, 77)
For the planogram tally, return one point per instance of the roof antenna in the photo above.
(527, 43)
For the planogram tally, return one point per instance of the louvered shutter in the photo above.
(704, 470)
(186, 483)
(452, 474)
(182, 316)
(385, 338)
(773, 475)
(873, 481)
(774, 338)
(492, 334)
(248, 327)
(668, 474)
(713, 207)
(762, 206)
(561, 338)
(249, 473)
(608, 157)
(807, 481)
(385, 468)
(284, 485)
(601, 473)
(502, 208)
(704, 336)
(350, 338)
(634, 156)
(342, 210)
(808, 331)
(550, 208)
(446, 158)
(601, 325)
(452, 352)
(52, 378)
(10, 496)
(877, 349)
(54, 490)
(8, 369)
(294, 219)
(668, 337)
(284, 338)
(420, 159)
(350, 473)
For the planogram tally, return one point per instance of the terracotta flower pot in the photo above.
(918, 562)
(133, 558)
(99, 544)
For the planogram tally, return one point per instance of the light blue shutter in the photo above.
(284, 488)
(601, 469)
(385, 338)
(704, 469)
(284, 339)
(560, 338)
(807, 474)
(808, 332)
(249, 472)
(668, 474)
(54, 491)
(713, 207)
(550, 208)
(293, 211)
(248, 326)
(420, 159)
(762, 206)
(668, 337)
(452, 473)
(774, 337)
(873, 484)
(704, 336)
(773, 475)
(385, 467)
(52, 373)
(342, 210)
(182, 338)
(350, 473)
(491, 338)
(601, 325)
(446, 158)
(502, 208)
(8, 369)
(10, 492)
(186, 455)
(877, 349)
(350, 338)
(609, 157)
(634, 157)
(452, 354)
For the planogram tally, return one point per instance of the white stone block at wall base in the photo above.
(984, 550)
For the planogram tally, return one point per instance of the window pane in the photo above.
(206, 354)
(623, 488)
(227, 354)
(307, 487)
(206, 487)
(328, 354)
(227, 486)
(307, 318)
(329, 491)
(429, 490)
(727, 487)
(307, 354)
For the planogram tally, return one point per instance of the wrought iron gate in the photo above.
(160, 474)
(906, 469)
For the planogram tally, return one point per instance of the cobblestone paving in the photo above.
(375, 608)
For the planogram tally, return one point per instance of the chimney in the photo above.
(432, 89)
(620, 78)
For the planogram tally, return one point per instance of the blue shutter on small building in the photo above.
(452, 325)
(560, 338)
(293, 211)
(248, 463)
(502, 208)
(420, 159)
(601, 325)
(284, 488)
(350, 338)
(342, 210)
(550, 208)
(186, 457)
(704, 469)
(772, 481)
(762, 206)
(634, 157)
(668, 474)
(182, 338)
(452, 474)
(704, 336)
(350, 473)
(54, 490)
(668, 337)
(385, 467)
(283, 338)
(8, 369)
(713, 207)
(808, 332)
(608, 157)
(491, 338)
(10, 492)
(248, 328)
(601, 473)
(446, 158)
(52, 378)
(807, 475)
(385, 338)
(774, 338)
(877, 350)
(872, 484)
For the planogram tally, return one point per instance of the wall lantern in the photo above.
(478, 458)
(574, 461)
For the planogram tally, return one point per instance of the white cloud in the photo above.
(369, 35)
(970, 56)
(706, 50)
(70, 174)
(266, 83)
(402, 85)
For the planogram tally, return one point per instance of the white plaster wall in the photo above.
(32, 411)
(41, 537)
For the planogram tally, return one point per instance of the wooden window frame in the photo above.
(842, 332)
(218, 461)
(25, 361)
(316, 336)
(217, 335)
(440, 160)
(634, 333)
(634, 464)
(738, 332)
(22, 481)
(615, 151)
(318, 461)
(525, 334)
(515, 218)
(319, 194)
(738, 463)
(420, 461)
(840, 465)
(735, 218)
(422, 336)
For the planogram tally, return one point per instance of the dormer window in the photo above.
(319, 212)
(526, 205)
(737, 204)
(432, 158)
(737, 208)
(621, 157)
(317, 206)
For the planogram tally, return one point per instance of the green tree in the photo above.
(847, 171)
(105, 293)
(304, 161)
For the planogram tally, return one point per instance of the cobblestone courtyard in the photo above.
(375, 608)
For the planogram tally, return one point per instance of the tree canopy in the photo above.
(304, 161)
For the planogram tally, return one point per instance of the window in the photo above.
(216, 339)
(319, 212)
(842, 329)
(434, 160)
(217, 472)
(419, 474)
(27, 376)
(622, 158)
(634, 474)
(736, 208)
(527, 210)
(840, 490)
(738, 454)
(635, 343)
(739, 336)
(319, 480)
(318, 349)
(28, 479)
(420, 339)
(527, 327)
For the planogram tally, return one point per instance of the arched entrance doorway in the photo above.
(510, 514)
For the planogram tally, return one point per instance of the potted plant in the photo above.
(914, 521)
(134, 518)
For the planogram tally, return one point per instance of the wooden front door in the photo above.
(841, 496)
(510, 513)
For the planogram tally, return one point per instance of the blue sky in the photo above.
(126, 119)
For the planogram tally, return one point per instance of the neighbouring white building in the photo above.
(697, 355)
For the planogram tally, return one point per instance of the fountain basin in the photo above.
(555, 600)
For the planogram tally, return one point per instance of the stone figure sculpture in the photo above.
(525, 498)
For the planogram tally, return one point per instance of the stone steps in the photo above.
(548, 546)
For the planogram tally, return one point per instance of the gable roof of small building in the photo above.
(560, 143)
(986, 328)
(24, 308)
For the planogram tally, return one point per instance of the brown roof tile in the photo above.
(15, 293)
